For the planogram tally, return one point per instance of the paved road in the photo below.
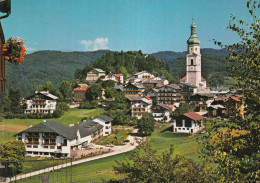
(116, 150)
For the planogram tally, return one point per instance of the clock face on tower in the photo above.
(191, 68)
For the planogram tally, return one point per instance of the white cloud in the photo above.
(30, 49)
(98, 44)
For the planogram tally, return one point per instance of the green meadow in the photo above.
(161, 139)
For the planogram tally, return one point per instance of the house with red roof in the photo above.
(79, 94)
(190, 122)
(118, 78)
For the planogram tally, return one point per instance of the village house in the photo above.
(133, 98)
(79, 93)
(187, 90)
(141, 107)
(40, 102)
(94, 74)
(201, 101)
(169, 95)
(190, 122)
(51, 138)
(106, 122)
(152, 83)
(118, 78)
(217, 107)
(138, 77)
(235, 107)
(161, 112)
(134, 89)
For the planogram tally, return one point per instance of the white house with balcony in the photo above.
(140, 107)
(161, 112)
(52, 138)
(190, 122)
(40, 102)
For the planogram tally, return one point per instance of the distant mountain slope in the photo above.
(168, 55)
(42, 66)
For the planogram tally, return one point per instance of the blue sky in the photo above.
(147, 25)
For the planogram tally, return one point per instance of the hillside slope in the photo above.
(42, 66)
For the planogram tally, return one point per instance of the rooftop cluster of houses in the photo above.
(51, 138)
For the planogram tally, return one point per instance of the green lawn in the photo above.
(183, 144)
(69, 116)
(6, 135)
(97, 170)
(116, 138)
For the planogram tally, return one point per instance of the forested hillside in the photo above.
(42, 66)
(169, 55)
(128, 63)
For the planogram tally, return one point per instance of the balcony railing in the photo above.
(32, 136)
(49, 137)
(31, 142)
(49, 143)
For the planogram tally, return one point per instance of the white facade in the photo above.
(141, 107)
(184, 128)
(163, 116)
(107, 129)
(42, 102)
(190, 122)
(114, 77)
(45, 146)
(143, 74)
(52, 138)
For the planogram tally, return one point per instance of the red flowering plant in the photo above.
(14, 50)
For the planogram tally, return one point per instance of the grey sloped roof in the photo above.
(98, 70)
(133, 97)
(119, 87)
(86, 128)
(52, 127)
(174, 87)
(49, 95)
(104, 117)
(139, 85)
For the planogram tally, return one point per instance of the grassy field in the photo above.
(9, 127)
(183, 144)
(116, 138)
(97, 170)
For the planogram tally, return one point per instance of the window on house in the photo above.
(191, 62)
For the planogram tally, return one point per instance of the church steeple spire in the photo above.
(193, 40)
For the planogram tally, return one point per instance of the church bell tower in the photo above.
(193, 58)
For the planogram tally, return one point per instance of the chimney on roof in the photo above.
(71, 125)
(36, 91)
(43, 121)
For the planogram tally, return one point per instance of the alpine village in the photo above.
(189, 116)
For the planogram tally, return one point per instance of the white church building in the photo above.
(193, 61)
